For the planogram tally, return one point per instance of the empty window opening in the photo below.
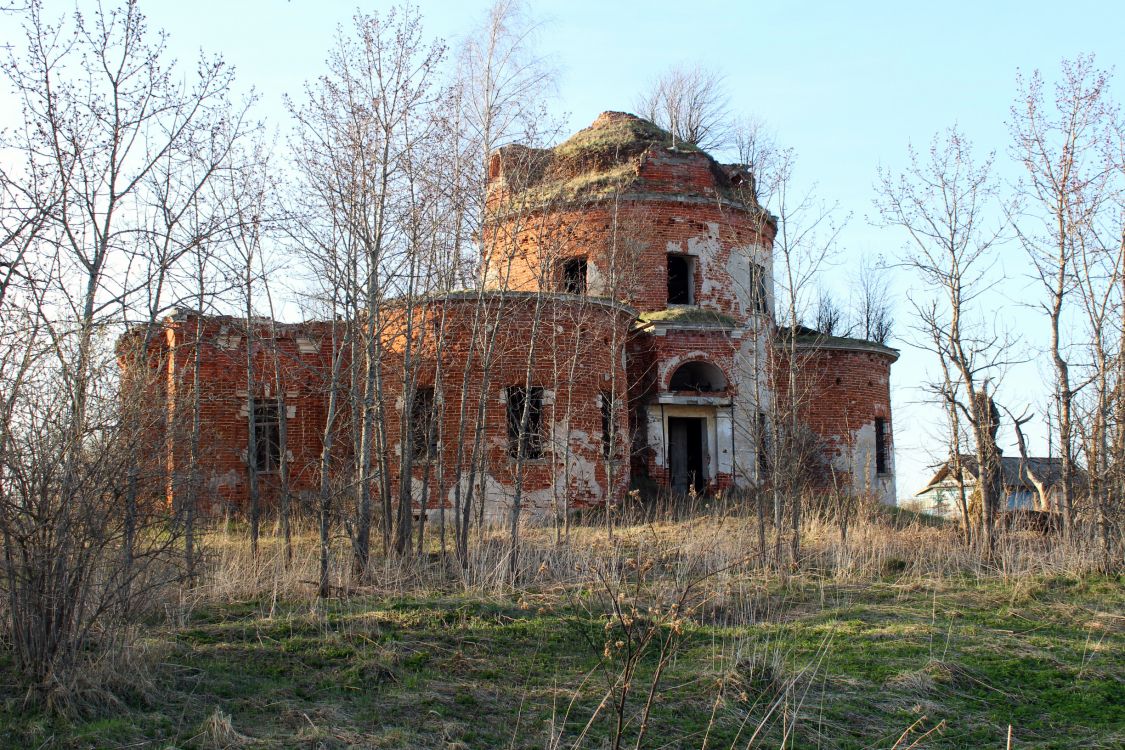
(759, 301)
(573, 276)
(423, 428)
(267, 436)
(525, 422)
(609, 428)
(680, 280)
(701, 377)
(880, 445)
(763, 446)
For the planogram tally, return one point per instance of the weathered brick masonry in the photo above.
(626, 283)
(295, 355)
(842, 394)
(573, 356)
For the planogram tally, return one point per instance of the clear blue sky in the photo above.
(847, 84)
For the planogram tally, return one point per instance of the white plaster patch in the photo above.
(753, 395)
(737, 270)
(574, 475)
(225, 480)
(595, 280)
(858, 458)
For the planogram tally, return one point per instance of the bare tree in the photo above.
(805, 242)
(828, 318)
(941, 202)
(110, 161)
(501, 87)
(249, 194)
(364, 132)
(872, 307)
(1039, 482)
(757, 149)
(692, 105)
(1062, 143)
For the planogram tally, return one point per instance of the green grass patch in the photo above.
(834, 666)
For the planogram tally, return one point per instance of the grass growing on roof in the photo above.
(689, 314)
(617, 134)
(594, 162)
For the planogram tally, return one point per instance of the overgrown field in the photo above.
(878, 650)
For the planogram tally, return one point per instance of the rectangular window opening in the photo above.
(681, 282)
(573, 275)
(525, 422)
(759, 301)
(880, 445)
(267, 436)
(763, 447)
(609, 432)
(423, 429)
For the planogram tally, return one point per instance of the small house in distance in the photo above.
(1025, 484)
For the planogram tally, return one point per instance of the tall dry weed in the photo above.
(718, 541)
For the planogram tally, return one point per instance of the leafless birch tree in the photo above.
(941, 201)
(692, 104)
(113, 153)
(1062, 142)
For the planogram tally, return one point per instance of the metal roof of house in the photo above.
(1013, 471)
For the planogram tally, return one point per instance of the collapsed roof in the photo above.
(605, 158)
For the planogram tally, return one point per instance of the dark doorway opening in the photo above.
(687, 453)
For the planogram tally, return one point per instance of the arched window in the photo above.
(702, 377)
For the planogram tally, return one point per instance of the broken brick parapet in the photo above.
(621, 196)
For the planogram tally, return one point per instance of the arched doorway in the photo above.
(689, 428)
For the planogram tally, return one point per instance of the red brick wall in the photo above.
(575, 354)
(223, 399)
(668, 202)
(653, 361)
(671, 205)
(839, 393)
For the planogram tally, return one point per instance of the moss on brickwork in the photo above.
(585, 184)
(845, 342)
(689, 314)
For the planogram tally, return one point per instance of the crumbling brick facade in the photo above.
(841, 393)
(296, 356)
(467, 351)
(626, 291)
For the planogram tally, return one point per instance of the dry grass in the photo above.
(899, 636)
(719, 542)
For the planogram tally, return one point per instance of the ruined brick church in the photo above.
(622, 335)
